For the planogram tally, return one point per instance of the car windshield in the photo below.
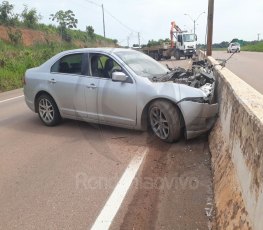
(188, 37)
(142, 64)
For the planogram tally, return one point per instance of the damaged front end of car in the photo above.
(199, 112)
(200, 76)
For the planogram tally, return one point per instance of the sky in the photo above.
(151, 18)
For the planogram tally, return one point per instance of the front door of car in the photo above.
(69, 85)
(116, 100)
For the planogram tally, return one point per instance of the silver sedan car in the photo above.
(118, 87)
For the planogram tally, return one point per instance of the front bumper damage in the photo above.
(198, 117)
(199, 113)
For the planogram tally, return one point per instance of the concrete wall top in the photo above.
(246, 94)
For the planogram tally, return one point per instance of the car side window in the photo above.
(68, 64)
(103, 66)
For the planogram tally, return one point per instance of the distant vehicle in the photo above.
(183, 44)
(119, 87)
(233, 48)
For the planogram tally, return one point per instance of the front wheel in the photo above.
(47, 110)
(165, 120)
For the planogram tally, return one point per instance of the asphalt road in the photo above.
(40, 168)
(246, 65)
(61, 177)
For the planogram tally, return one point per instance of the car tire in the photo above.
(164, 119)
(156, 56)
(177, 55)
(47, 110)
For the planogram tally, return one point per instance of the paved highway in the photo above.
(42, 169)
(66, 177)
(246, 65)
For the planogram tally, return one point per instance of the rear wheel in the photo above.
(156, 56)
(177, 55)
(165, 120)
(47, 110)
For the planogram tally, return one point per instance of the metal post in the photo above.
(210, 17)
(103, 19)
(139, 40)
(194, 21)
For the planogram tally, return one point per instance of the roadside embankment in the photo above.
(236, 145)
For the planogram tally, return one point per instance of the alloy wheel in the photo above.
(46, 110)
(159, 123)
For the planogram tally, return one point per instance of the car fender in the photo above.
(151, 91)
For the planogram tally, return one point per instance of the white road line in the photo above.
(11, 98)
(116, 198)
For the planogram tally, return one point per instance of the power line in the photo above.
(94, 3)
(125, 26)
(110, 14)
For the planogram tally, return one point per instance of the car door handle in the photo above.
(91, 86)
(52, 81)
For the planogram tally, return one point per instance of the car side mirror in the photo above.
(119, 76)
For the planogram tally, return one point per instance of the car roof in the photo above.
(108, 50)
(101, 49)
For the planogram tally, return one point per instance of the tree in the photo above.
(90, 32)
(235, 40)
(7, 17)
(115, 41)
(30, 17)
(66, 20)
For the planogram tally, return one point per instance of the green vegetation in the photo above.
(66, 20)
(155, 42)
(256, 47)
(30, 18)
(15, 36)
(15, 58)
(7, 17)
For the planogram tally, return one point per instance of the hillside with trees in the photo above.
(26, 43)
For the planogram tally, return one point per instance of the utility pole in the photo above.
(139, 39)
(194, 26)
(210, 17)
(258, 36)
(103, 19)
(128, 41)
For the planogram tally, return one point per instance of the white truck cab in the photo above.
(185, 45)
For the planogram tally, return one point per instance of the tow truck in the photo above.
(183, 44)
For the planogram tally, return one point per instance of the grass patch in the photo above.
(255, 47)
(15, 60)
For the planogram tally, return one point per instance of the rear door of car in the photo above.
(68, 82)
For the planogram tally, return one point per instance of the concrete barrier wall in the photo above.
(236, 145)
